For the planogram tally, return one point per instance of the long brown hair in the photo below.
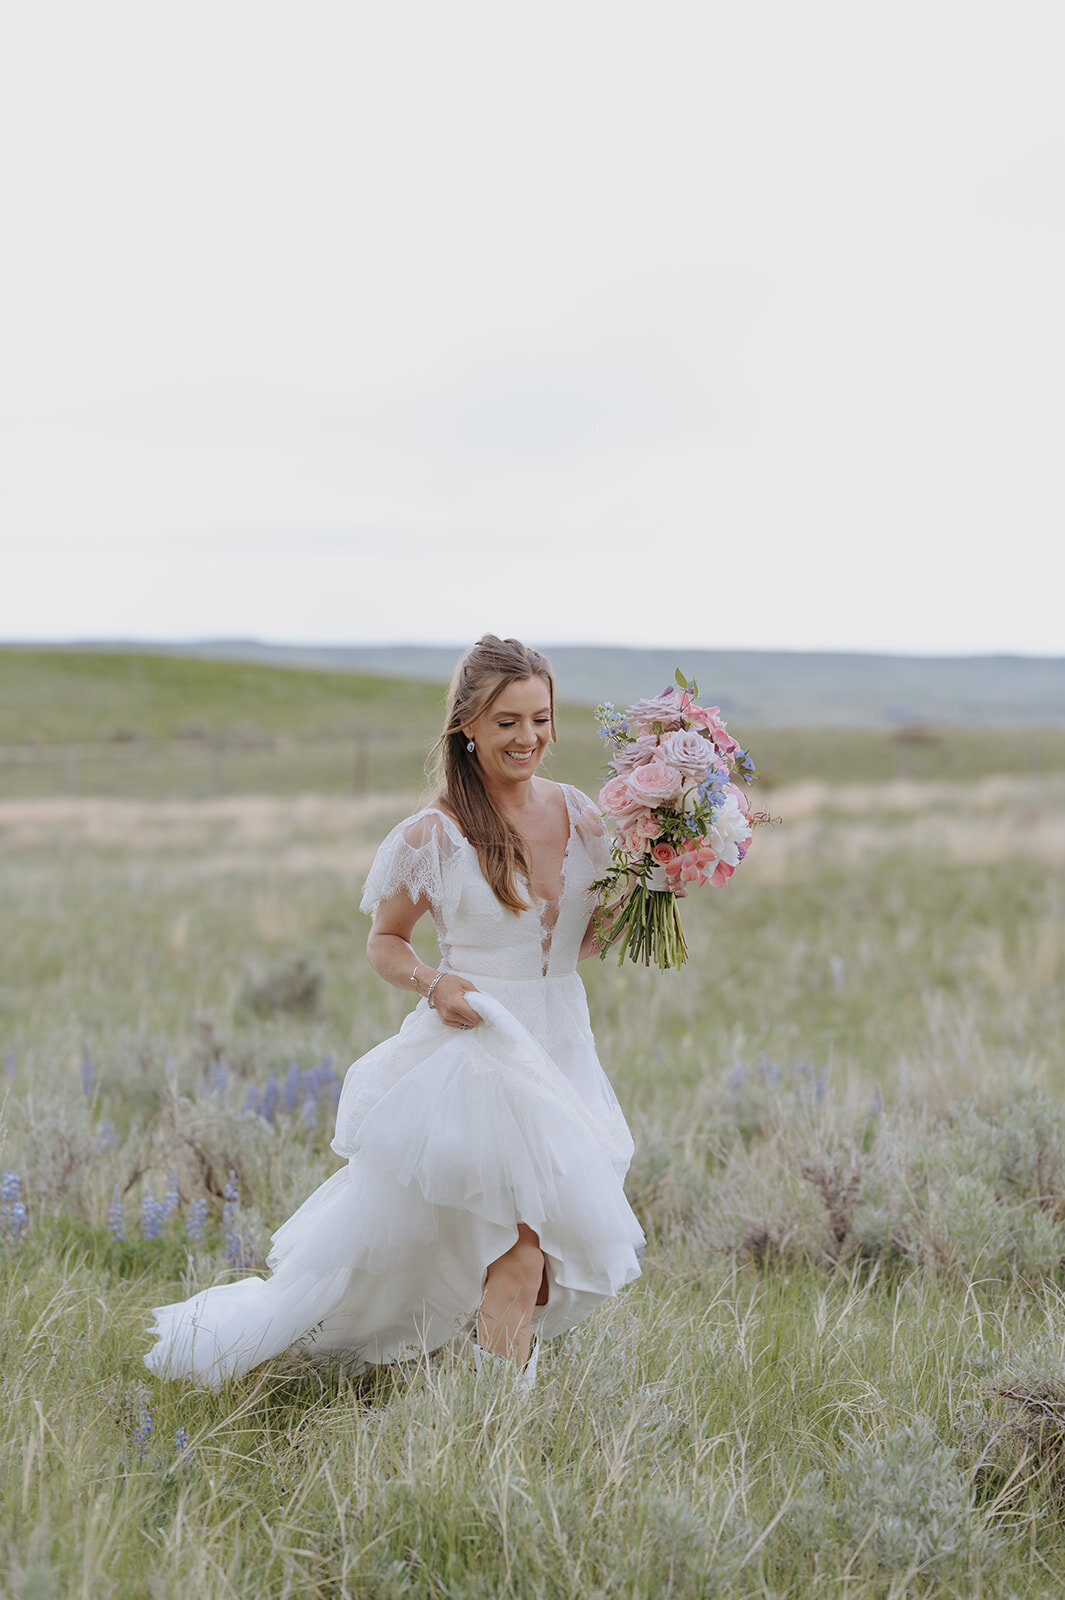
(482, 674)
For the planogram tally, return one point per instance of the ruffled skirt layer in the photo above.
(452, 1139)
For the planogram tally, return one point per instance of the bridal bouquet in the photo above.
(679, 819)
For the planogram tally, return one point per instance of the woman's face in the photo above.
(513, 733)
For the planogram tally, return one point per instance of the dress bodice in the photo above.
(427, 855)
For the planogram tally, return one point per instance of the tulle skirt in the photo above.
(451, 1140)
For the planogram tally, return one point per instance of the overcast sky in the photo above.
(697, 323)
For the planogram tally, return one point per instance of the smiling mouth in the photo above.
(520, 755)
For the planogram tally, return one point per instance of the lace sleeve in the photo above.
(411, 858)
(592, 832)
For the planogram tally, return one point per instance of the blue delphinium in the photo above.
(116, 1222)
(196, 1220)
(142, 1434)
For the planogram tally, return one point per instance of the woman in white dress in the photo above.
(486, 1151)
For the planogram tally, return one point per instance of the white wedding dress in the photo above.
(451, 1138)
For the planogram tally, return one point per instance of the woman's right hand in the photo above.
(450, 1004)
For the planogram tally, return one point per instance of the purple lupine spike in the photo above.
(151, 1215)
(171, 1197)
(143, 1433)
(271, 1097)
(309, 1113)
(292, 1088)
(196, 1220)
(116, 1222)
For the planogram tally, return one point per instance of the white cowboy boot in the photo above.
(497, 1366)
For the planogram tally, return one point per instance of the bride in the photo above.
(485, 1149)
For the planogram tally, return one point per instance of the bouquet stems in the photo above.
(646, 928)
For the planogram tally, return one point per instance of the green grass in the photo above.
(841, 1369)
(160, 727)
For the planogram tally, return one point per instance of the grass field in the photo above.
(843, 1370)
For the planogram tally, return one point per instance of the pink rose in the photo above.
(741, 799)
(618, 800)
(664, 708)
(643, 749)
(708, 717)
(647, 827)
(663, 854)
(690, 753)
(654, 784)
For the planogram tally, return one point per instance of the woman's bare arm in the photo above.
(393, 957)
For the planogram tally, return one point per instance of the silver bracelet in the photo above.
(429, 991)
(414, 977)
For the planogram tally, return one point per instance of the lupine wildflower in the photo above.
(232, 1243)
(116, 1222)
(151, 1215)
(182, 1447)
(12, 1210)
(292, 1088)
(196, 1221)
(251, 1100)
(143, 1433)
(271, 1097)
(216, 1080)
(87, 1074)
(171, 1198)
(106, 1137)
(309, 1113)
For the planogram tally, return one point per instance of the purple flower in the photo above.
(116, 1222)
(13, 1216)
(196, 1220)
(171, 1198)
(292, 1088)
(143, 1433)
(182, 1447)
(151, 1215)
(271, 1097)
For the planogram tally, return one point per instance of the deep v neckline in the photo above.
(555, 900)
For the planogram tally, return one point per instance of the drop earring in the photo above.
(470, 746)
